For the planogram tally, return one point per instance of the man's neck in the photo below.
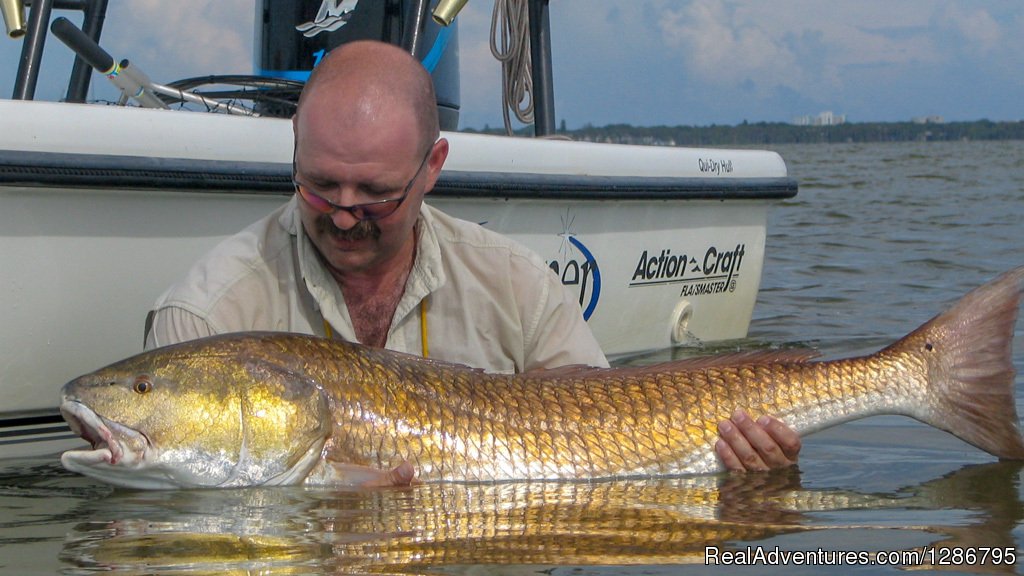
(372, 296)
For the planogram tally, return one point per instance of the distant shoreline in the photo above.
(762, 133)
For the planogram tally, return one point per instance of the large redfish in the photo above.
(270, 408)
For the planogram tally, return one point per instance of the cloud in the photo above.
(184, 38)
(821, 51)
(723, 49)
(977, 28)
(791, 44)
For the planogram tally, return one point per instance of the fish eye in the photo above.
(142, 385)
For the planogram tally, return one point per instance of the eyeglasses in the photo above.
(363, 212)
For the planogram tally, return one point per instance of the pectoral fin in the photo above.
(340, 474)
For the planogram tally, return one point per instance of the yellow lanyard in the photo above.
(423, 327)
(329, 332)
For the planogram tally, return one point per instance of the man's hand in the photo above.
(748, 445)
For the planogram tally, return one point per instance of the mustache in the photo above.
(364, 230)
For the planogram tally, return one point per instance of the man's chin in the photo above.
(347, 258)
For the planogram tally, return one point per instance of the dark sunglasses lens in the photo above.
(314, 201)
(375, 211)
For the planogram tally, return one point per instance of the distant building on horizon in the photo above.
(928, 120)
(826, 118)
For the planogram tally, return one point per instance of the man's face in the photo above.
(352, 163)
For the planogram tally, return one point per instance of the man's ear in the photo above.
(438, 155)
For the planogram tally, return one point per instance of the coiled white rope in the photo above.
(510, 45)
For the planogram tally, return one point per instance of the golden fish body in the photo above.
(271, 408)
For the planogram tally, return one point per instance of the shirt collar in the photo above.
(427, 273)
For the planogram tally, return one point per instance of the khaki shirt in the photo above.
(488, 301)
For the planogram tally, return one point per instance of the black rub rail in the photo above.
(191, 175)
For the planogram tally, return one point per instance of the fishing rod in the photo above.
(129, 78)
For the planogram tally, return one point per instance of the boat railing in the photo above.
(129, 78)
(34, 32)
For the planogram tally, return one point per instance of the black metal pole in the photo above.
(32, 50)
(540, 66)
(81, 73)
(412, 31)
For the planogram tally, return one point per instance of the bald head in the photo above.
(372, 81)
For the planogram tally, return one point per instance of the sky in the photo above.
(653, 62)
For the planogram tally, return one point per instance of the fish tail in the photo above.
(968, 359)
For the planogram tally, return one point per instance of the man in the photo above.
(356, 254)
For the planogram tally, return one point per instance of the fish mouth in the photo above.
(110, 443)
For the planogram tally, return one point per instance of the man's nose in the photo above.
(343, 219)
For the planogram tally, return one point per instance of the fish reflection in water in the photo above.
(409, 530)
